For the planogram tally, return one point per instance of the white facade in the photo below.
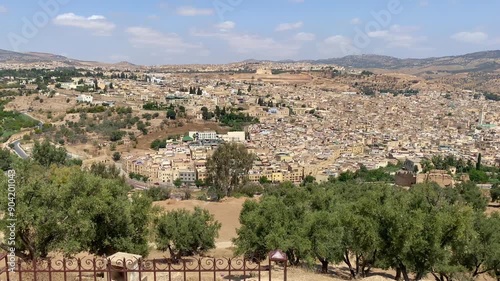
(85, 98)
(209, 135)
(234, 137)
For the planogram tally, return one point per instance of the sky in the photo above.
(154, 32)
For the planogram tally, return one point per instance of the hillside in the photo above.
(480, 61)
(38, 57)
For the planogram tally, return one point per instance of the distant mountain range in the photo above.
(480, 61)
(35, 57)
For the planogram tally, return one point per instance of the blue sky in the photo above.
(221, 31)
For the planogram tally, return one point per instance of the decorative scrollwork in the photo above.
(222, 264)
(148, 265)
(237, 264)
(210, 264)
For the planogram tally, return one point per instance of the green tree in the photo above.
(158, 193)
(495, 192)
(47, 154)
(171, 114)
(276, 222)
(178, 182)
(67, 210)
(264, 180)
(199, 183)
(117, 156)
(184, 233)
(5, 159)
(308, 180)
(478, 163)
(228, 167)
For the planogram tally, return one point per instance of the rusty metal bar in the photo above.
(215, 269)
(260, 268)
(140, 269)
(108, 267)
(244, 269)
(270, 270)
(154, 270)
(95, 268)
(229, 266)
(169, 271)
(34, 269)
(49, 264)
(184, 268)
(286, 265)
(7, 267)
(199, 268)
(64, 268)
(125, 269)
(19, 263)
(79, 263)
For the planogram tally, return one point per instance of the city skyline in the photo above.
(224, 31)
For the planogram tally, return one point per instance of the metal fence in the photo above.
(106, 269)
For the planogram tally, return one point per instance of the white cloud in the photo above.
(263, 46)
(193, 11)
(337, 46)
(142, 37)
(3, 9)
(289, 26)
(304, 36)
(253, 45)
(225, 26)
(398, 36)
(356, 21)
(471, 37)
(99, 25)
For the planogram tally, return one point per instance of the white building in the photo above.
(234, 137)
(209, 135)
(85, 98)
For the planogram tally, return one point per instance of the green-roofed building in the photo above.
(187, 138)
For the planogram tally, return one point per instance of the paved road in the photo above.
(19, 151)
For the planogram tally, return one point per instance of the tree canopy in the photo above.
(184, 233)
(67, 210)
(425, 230)
(228, 167)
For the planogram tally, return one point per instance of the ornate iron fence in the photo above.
(106, 269)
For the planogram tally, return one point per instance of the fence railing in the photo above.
(107, 269)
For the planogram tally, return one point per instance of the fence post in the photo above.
(286, 265)
(215, 269)
(229, 265)
(169, 271)
(7, 267)
(270, 269)
(199, 268)
(125, 269)
(184, 268)
(244, 269)
(49, 264)
(20, 269)
(79, 262)
(140, 268)
(94, 263)
(260, 267)
(64, 268)
(154, 270)
(108, 267)
(34, 269)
